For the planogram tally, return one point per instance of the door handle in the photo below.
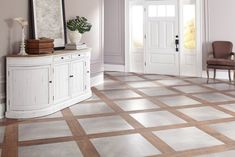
(177, 43)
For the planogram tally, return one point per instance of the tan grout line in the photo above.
(46, 141)
(10, 145)
(84, 144)
(161, 145)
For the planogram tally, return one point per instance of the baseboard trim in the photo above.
(98, 79)
(220, 74)
(2, 110)
(114, 67)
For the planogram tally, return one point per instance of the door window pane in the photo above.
(189, 26)
(170, 10)
(137, 18)
(161, 11)
(152, 11)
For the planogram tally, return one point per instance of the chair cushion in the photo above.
(221, 62)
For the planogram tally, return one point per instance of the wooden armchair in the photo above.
(222, 58)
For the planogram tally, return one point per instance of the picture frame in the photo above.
(48, 20)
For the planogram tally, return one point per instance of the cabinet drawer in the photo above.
(77, 55)
(62, 58)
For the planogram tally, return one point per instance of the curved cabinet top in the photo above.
(42, 59)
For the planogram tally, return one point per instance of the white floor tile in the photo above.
(119, 94)
(226, 129)
(191, 89)
(136, 104)
(187, 138)
(65, 149)
(230, 107)
(178, 101)
(104, 124)
(204, 113)
(90, 108)
(159, 118)
(124, 146)
(159, 91)
(43, 130)
(214, 97)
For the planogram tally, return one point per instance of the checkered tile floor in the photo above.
(133, 115)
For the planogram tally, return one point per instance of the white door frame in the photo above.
(199, 25)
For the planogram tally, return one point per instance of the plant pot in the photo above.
(75, 37)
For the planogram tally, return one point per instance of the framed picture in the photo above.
(48, 20)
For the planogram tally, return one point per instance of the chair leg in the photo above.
(208, 75)
(234, 76)
(214, 74)
(229, 75)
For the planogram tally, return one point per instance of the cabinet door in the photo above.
(29, 88)
(61, 82)
(77, 77)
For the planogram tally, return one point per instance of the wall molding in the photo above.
(114, 67)
(2, 110)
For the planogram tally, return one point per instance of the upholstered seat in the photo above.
(222, 58)
(221, 62)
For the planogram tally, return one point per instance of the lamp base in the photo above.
(22, 50)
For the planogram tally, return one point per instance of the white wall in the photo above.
(219, 23)
(114, 34)
(93, 10)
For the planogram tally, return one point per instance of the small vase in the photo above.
(75, 37)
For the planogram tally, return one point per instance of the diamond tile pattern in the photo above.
(133, 115)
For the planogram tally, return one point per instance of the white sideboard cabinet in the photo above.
(39, 85)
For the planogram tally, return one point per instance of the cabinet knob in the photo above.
(62, 57)
(79, 55)
(50, 81)
(71, 76)
(88, 72)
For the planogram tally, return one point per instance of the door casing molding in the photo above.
(201, 5)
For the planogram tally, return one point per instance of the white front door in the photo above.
(162, 27)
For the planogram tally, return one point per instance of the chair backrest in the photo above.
(222, 49)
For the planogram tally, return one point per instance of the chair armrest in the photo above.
(210, 55)
(232, 54)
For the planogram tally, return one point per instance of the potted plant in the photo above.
(77, 26)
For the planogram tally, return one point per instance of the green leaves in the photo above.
(79, 23)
